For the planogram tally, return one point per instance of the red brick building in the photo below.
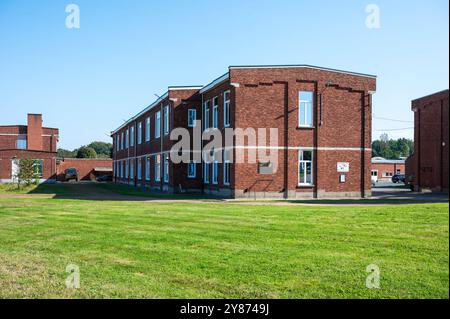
(427, 168)
(88, 168)
(28, 141)
(321, 119)
(383, 169)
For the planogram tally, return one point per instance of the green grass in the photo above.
(172, 250)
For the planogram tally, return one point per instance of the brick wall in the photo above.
(429, 164)
(85, 167)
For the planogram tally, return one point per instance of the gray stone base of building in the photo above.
(292, 194)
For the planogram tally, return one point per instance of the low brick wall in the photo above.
(85, 167)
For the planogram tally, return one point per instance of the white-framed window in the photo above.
(166, 168)
(206, 115)
(206, 172)
(126, 168)
(38, 168)
(157, 168)
(147, 168)
(132, 136)
(226, 109)
(117, 143)
(158, 124)
(305, 167)
(305, 109)
(215, 172)
(226, 166)
(166, 120)
(122, 143)
(139, 133)
(139, 168)
(21, 143)
(147, 129)
(192, 169)
(127, 138)
(215, 119)
(132, 169)
(192, 117)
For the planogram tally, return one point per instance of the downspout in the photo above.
(201, 143)
(286, 139)
(161, 159)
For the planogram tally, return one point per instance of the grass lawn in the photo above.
(140, 249)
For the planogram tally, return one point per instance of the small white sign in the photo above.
(343, 167)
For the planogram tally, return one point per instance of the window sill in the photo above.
(305, 127)
(305, 186)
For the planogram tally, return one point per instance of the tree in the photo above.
(104, 150)
(86, 152)
(25, 172)
(66, 153)
(392, 149)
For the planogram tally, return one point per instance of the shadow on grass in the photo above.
(110, 192)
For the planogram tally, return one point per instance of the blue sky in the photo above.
(87, 81)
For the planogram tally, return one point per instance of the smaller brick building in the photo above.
(88, 168)
(427, 168)
(31, 141)
(383, 169)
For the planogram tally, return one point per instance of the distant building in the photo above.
(383, 169)
(427, 168)
(89, 169)
(28, 141)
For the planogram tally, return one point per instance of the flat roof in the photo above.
(308, 66)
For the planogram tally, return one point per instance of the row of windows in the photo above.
(126, 138)
(125, 168)
(215, 112)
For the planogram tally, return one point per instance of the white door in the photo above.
(14, 169)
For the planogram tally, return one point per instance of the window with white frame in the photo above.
(132, 169)
(147, 168)
(206, 172)
(166, 120)
(139, 168)
(158, 124)
(215, 122)
(38, 168)
(126, 168)
(127, 138)
(215, 172)
(122, 143)
(117, 143)
(192, 169)
(206, 115)
(226, 109)
(157, 168)
(305, 109)
(226, 166)
(192, 117)
(21, 143)
(166, 168)
(139, 133)
(120, 169)
(147, 129)
(305, 167)
(132, 136)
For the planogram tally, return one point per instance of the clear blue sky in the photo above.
(87, 81)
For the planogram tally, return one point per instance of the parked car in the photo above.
(105, 178)
(398, 178)
(71, 174)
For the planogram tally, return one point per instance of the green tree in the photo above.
(104, 150)
(392, 149)
(66, 153)
(25, 172)
(86, 152)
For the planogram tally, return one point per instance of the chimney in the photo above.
(34, 132)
